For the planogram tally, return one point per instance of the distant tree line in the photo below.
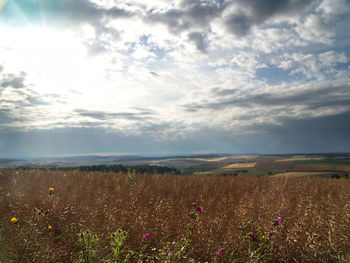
(118, 168)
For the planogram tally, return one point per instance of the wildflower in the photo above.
(49, 228)
(222, 249)
(200, 209)
(145, 235)
(51, 191)
(193, 204)
(251, 234)
(218, 255)
(187, 215)
(14, 220)
(146, 254)
(277, 222)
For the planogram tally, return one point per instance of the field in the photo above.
(173, 218)
(240, 165)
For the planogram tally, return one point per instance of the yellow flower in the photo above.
(14, 220)
(49, 228)
(51, 189)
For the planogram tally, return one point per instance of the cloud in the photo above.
(189, 15)
(11, 80)
(101, 115)
(154, 74)
(6, 117)
(249, 13)
(310, 99)
(64, 14)
(58, 12)
(200, 40)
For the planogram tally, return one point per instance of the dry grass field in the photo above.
(314, 215)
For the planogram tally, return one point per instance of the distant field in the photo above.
(298, 174)
(322, 165)
(240, 165)
(300, 158)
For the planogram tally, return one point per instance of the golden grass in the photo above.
(240, 165)
(298, 174)
(315, 213)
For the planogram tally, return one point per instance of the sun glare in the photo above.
(57, 59)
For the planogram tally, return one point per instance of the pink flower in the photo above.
(146, 254)
(218, 255)
(277, 222)
(187, 215)
(193, 204)
(251, 234)
(222, 249)
(145, 235)
(200, 209)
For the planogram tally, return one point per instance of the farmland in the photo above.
(314, 215)
(201, 209)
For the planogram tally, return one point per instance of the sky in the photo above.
(174, 76)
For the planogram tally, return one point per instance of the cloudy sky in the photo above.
(174, 76)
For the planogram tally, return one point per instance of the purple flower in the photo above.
(193, 204)
(200, 209)
(277, 222)
(251, 234)
(218, 255)
(222, 249)
(187, 215)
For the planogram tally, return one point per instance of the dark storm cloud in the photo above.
(256, 12)
(311, 99)
(102, 115)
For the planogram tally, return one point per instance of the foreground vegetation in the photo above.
(74, 216)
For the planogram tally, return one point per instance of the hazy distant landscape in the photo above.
(326, 165)
(223, 209)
